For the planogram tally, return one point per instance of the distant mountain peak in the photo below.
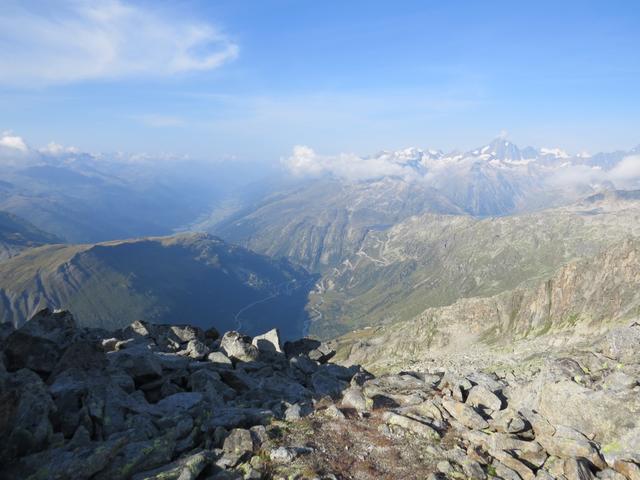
(503, 149)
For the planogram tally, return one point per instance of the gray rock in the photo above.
(238, 446)
(25, 407)
(577, 469)
(171, 361)
(621, 344)
(334, 412)
(238, 347)
(464, 414)
(268, 342)
(186, 468)
(480, 396)
(629, 469)
(195, 349)
(287, 454)
(210, 383)
(610, 474)
(326, 384)
(523, 471)
(304, 364)
(180, 401)
(139, 362)
(502, 471)
(354, 398)
(411, 425)
(220, 360)
(186, 333)
(618, 380)
(457, 386)
(230, 417)
(508, 421)
(140, 456)
(72, 462)
(297, 411)
(567, 442)
(40, 342)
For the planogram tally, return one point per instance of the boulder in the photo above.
(70, 462)
(238, 446)
(627, 468)
(354, 398)
(210, 383)
(138, 456)
(180, 402)
(25, 407)
(185, 468)
(238, 347)
(40, 342)
(287, 454)
(414, 426)
(304, 364)
(577, 469)
(464, 414)
(610, 474)
(139, 362)
(621, 344)
(301, 346)
(480, 396)
(324, 383)
(268, 342)
(567, 442)
(220, 360)
(195, 349)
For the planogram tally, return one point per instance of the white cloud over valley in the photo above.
(12, 142)
(305, 162)
(77, 40)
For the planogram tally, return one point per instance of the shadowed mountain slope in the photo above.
(192, 277)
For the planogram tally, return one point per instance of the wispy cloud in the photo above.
(78, 40)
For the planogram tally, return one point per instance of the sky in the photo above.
(252, 80)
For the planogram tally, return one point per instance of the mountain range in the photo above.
(385, 237)
(320, 222)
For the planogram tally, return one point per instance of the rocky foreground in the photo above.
(176, 402)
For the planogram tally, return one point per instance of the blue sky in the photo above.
(252, 79)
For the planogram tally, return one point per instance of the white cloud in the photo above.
(54, 149)
(79, 40)
(628, 170)
(625, 174)
(305, 162)
(13, 142)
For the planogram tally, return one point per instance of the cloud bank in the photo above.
(305, 162)
(408, 164)
(76, 40)
(10, 142)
